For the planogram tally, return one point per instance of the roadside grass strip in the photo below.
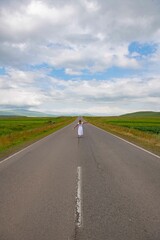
(144, 132)
(18, 132)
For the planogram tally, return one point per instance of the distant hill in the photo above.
(142, 114)
(23, 112)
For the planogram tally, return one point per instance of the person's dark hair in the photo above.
(80, 121)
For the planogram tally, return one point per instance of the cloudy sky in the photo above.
(80, 56)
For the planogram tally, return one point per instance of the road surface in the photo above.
(97, 187)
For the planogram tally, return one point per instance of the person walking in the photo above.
(80, 128)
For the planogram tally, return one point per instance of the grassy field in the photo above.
(144, 131)
(17, 132)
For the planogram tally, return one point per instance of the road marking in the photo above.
(127, 141)
(79, 198)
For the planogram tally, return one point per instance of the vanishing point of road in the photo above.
(98, 187)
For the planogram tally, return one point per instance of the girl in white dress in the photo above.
(80, 128)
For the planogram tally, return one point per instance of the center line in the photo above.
(79, 197)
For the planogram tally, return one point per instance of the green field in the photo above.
(16, 132)
(144, 131)
(147, 124)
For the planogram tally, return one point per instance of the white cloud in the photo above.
(20, 97)
(108, 91)
(70, 71)
(78, 36)
(93, 32)
(20, 88)
(90, 6)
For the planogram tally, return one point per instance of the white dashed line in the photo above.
(79, 198)
(127, 142)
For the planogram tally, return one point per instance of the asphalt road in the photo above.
(97, 187)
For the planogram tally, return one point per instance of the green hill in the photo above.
(142, 114)
(23, 112)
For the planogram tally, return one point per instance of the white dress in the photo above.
(80, 129)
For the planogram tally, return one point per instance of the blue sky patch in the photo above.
(2, 71)
(113, 72)
(36, 67)
(143, 49)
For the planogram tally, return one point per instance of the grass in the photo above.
(144, 131)
(17, 132)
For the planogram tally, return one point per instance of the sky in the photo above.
(80, 56)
